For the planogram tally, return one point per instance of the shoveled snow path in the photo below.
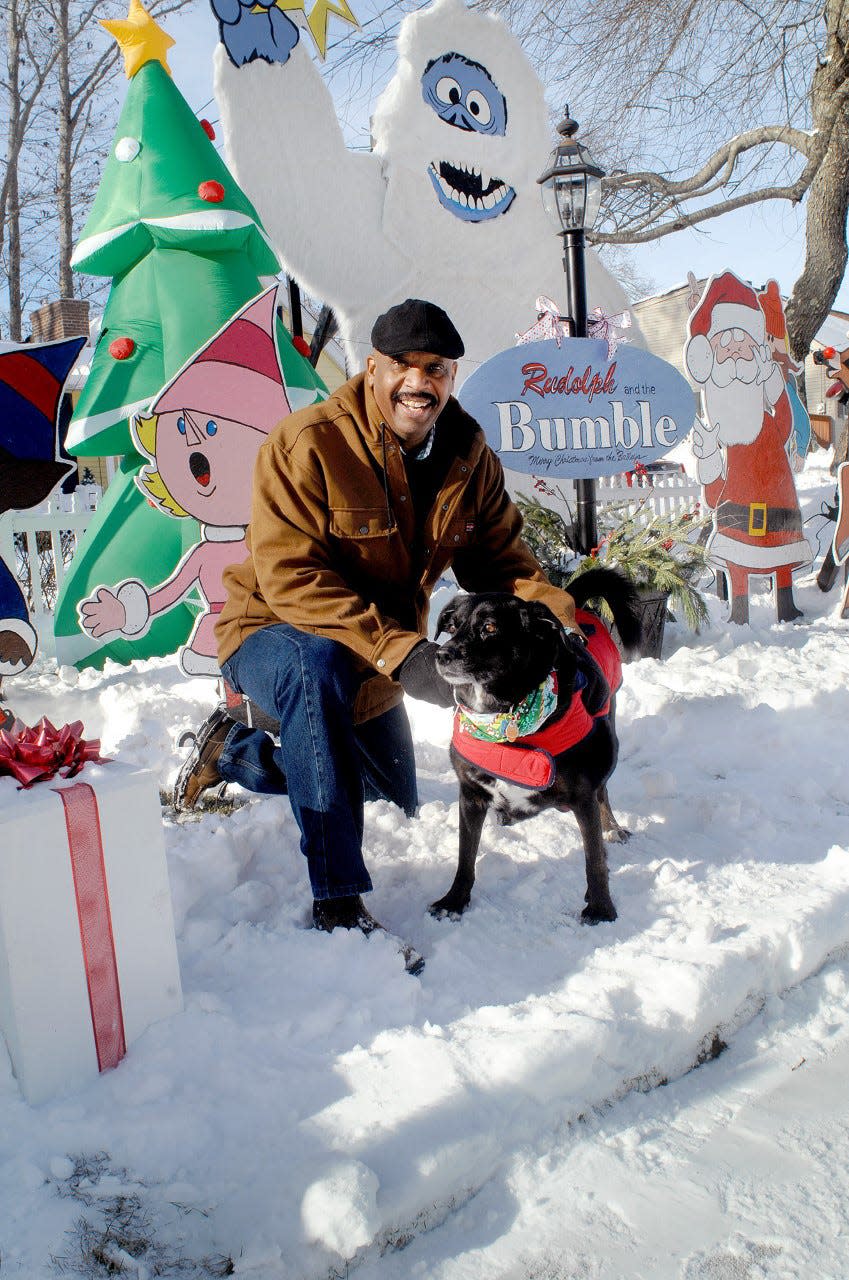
(737, 1171)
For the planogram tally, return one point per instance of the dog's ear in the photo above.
(544, 630)
(445, 620)
(537, 617)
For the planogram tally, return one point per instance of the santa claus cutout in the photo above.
(742, 445)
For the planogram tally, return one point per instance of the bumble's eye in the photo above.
(489, 629)
(479, 107)
(211, 427)
(181, 426)
(448, 90)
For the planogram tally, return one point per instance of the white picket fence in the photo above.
(38, 546)
(665, 493)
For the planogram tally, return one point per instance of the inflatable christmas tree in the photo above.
(185, 250)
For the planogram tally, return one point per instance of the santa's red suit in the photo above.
(757, 522)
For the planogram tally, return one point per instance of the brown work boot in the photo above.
(200, 770)
(351, 913)
(343, 913)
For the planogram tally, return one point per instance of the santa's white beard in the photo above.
(735, 410)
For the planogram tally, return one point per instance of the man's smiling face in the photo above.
(411, 391)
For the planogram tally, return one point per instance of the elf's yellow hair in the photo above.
(149, 480)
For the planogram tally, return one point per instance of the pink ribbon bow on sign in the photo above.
(601, 325)
(548, 324)
(38, 754)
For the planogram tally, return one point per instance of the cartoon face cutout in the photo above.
(206, 463)
(464, 95)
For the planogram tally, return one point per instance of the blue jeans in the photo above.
(325, 763)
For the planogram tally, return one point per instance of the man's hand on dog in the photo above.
(418, 676)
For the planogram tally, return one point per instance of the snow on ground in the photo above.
(315, 1108)
(737, 1171)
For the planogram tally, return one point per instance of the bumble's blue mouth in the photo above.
(466, 194)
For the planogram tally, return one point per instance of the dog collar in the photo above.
(519, 721)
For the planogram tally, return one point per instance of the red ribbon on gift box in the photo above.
(85, 843)
(38, 754)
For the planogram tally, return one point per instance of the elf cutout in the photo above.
(202, 436)
(776, 338)
(742, 444)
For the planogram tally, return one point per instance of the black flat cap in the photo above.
(416, 325)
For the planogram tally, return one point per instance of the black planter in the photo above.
(653, 606)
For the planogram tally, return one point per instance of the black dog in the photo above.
(525, 689)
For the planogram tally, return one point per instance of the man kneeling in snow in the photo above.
(359, 505)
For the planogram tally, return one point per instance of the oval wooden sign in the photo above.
(573, 411)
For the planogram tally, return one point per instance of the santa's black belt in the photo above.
(758, 519)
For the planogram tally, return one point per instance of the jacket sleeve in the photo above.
(289, 539)
(499, 559)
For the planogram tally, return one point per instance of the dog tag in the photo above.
(512, 731)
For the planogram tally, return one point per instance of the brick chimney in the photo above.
(64, 318)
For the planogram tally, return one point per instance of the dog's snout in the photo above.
(443, 657)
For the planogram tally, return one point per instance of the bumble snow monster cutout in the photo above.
(446, 206)
(202, 436)
(462, 94)
(32, 379)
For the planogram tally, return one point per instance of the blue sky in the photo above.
(762, 242)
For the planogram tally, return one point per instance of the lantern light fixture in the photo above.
(571, 183)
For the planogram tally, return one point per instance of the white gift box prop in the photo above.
(88, 955)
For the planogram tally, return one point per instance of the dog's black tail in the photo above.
(619, 594)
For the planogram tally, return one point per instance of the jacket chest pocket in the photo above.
(458, 533)
(359, 522)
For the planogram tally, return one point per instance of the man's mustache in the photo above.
(420, 395)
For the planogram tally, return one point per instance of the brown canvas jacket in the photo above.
(332, 537)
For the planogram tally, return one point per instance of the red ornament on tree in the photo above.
(301, 344)
(121, 348)
(208, 130)
(211, 191)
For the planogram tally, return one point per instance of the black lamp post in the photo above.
(571, 196)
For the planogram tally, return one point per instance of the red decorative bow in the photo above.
(38, 754)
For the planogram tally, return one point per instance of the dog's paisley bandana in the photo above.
(506, 726)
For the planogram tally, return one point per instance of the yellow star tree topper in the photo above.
(140, 38)
(318, 17)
